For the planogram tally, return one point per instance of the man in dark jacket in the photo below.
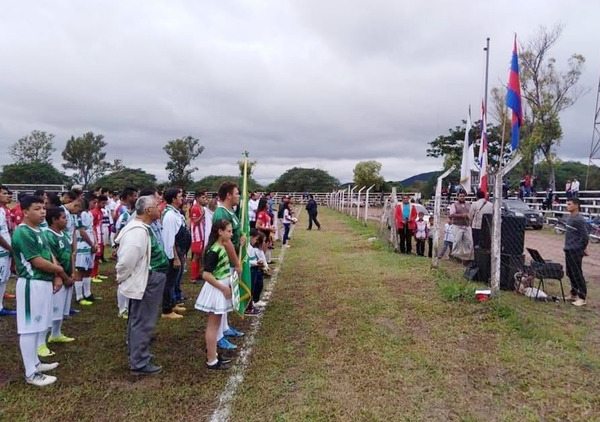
(576, 241)
(311, 208)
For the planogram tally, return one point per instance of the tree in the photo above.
(117, 180)
(36, 147)
(33, 173)
(251, 166)
(212, 183)
(302, 179)
(117, 165)
(366, 174)
(547, 92)
(84, 155)
(181, 153)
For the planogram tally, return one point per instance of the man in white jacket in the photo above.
(141, 273)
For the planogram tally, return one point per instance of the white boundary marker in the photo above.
(223, 410)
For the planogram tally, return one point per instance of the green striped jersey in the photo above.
(60, 245)
(29, 243)
(216, 262)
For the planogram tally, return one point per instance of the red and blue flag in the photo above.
(513, 98)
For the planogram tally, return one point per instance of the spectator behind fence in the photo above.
(406, 217)
(576, 241)
(463, 240)
(478, 209)
(575, 188)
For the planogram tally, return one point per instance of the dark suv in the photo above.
(518, 208)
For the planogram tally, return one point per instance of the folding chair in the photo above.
(546, 269)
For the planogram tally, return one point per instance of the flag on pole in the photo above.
(467, 158)
(483, 153)
(245, 283)
(513, 98)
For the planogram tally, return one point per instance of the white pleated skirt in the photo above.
(212, 300)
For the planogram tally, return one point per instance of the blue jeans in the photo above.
(177, 293)
(286, 232)
(447, 245)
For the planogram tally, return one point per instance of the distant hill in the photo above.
(423, 177)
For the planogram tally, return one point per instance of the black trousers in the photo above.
(405, 240)
(172, 273)
(476, 237)
(574, 260)
(421, 247)
(257, 278)
(430, 243)
(312, 217)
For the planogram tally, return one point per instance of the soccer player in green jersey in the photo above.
(39, 277)
(61, 246)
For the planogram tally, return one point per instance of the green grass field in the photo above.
(352, 332)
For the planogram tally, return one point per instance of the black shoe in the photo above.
(92, 298)
(150, 369)
(219, 366)
(223, 359)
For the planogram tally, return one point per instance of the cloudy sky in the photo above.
(312, 83)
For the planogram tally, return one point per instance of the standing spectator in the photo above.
(448, 238)
(527, 184)
(16, 214)
(287, 222)
(547, 204)
(311, 208)
(568, 188)
(197, 223)
(252, 207)
(575, 188)
(141, 273)
(462, 247)
(406, 217)
(505, 188)
(430, 239)
(576, 241)
(476, 212)
(421, 233)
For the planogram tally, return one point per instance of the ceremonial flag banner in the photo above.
(483, 153)
(245, 281)
(513, 98)
(467, 158)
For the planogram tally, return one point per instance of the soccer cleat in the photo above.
(150, 369)
(74, 311)
(172, 315)
(7, 312)
(218, 366)
(226, 344)
(85, 302)
(41, 380)
(92, 298)
(97, 280)
(260, 304)
(45, 367)
(102, 277)
(44, 352)
(252, 312)
(232, 332)
(60, 339)
(124, 314)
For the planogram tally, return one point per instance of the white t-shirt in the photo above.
(4, 232)
(252, 207)
(208, 221)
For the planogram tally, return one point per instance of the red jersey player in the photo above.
(198, 235)
(98, 217)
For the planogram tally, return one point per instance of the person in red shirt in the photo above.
(263, 223)
(197, 217)
(16, 214)
(406, 222)
(96, 210)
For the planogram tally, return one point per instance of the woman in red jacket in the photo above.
(406, 217)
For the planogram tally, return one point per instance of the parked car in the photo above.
(518, 208)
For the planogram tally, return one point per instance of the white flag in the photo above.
(467, 159)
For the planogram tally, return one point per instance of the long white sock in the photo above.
(2, 290)
(56, 326)
(28, 346)
(41, 338)
(224, 324)
(78, 290)
(268, 255)
(122, 302)
(87, 286)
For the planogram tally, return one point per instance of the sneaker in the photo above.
(232, 332)
(172, 315)
(260, 304)
(226, 344)
(7, 312)
(85, 302)
(97, 280)
(40, 380)
(287, 246)
(218, 366)
(44, 352)
(45, 367)
(253, 312)
(9, 296)
(573, 298)
(150, 369)
(179, 309)
(74, 311)
(124, 314)
(579, 302)
(92, 298)
(102, 277)
(60, 339)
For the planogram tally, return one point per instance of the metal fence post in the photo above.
(367, 204)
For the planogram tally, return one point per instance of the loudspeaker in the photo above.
(509, 265)
(513, 235)
(485, 236)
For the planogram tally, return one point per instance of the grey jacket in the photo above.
(576, 237)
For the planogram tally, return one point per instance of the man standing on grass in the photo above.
(197, 223)
(406, 219)
(476, 212)
(39, 277)
(576, 241)
(252, 207)
(5, 249)
(311, 208)
(141, 273)
(463, 238)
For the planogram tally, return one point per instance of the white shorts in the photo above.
(34, 305)
(61, 303)
(4, 269)
(105, 235)
(84, 261)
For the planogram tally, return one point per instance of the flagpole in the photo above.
(244, 214)
(487, 71)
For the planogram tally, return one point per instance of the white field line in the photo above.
(238, 371)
